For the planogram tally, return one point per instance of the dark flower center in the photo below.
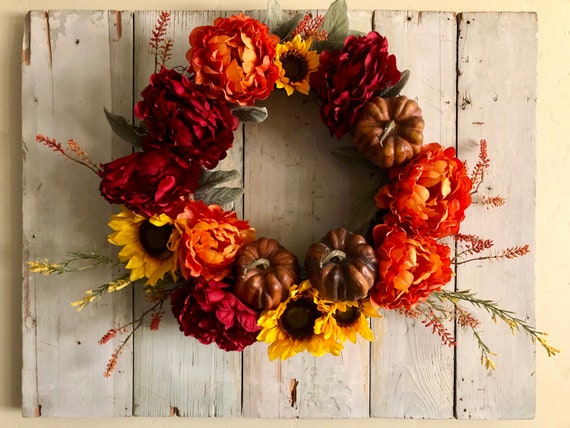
(295, 66)
(348, 317)
(299, 318)
(154, 239)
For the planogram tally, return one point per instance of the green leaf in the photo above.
(285, 29)
(395, 90)
(336, 26)
(351, 157)
(250, 113)
(222, 195)
(275, 16)
(210, 179)
(125, 131)
(363, 207)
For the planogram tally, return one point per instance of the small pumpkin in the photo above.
(389, 131)
(264, 273)
(342, 266)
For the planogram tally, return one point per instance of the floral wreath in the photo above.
(224, 285)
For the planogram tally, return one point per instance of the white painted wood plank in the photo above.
(295, 193)
(497, 99)
(63, 97)
(174, 374)
(412, 372)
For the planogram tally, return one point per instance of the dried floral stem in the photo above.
(109, 287)
(491, 201)
(161, 46)
(486, 360)
(310, 28)
(508, 253)
(482, 164)
(452, 311)
(509, 317)
(73, 152)
(69, 264)
(156, 310)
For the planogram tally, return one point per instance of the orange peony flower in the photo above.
(427, 196)
(209, 240)
(233, 59)
(410, 267)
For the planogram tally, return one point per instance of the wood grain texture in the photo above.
(63, 98)
(497, 102)
(175, 374)
(295, 192)
(412, 372)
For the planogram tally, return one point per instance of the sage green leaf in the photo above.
(222, 195)
(351, 157)
(250, 113)
(123, 129)
(395, 90)
(210, 179)
(336, 26)
(363, 208)
(285, 29)
(275, 17)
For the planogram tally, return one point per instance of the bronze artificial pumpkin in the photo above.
(389, 131)
(342, 266)
(264, 272)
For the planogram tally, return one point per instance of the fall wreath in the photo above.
(227, 286)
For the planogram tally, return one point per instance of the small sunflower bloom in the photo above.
(296, 63)
(349, 319)
(148, 244)
(290, 328)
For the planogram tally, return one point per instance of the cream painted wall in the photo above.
(553, 207)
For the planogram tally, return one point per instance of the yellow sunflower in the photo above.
(347, 319)
(296, 62)
(149, 245)
(290, 328)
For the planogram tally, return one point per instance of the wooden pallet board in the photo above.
(472, 80)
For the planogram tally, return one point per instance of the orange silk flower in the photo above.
(410, 267)
(210, 238)
(427, 196)
(233, 59)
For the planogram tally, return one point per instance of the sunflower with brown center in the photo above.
(296, 63)
(349, 319)
(291, 327)
(148, 244)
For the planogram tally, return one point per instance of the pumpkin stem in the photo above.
(387, 131)
(339, 254)
(257, 263)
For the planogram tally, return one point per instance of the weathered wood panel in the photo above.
(174, 374)
(412, 373)
(497, 102)
(294, 194)
(288, 173)
(63, 97)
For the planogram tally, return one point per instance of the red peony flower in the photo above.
(210, 238)
(233, 59)
(410, 267)
(429, 195)
(148, 182)
(209, 312)
(347, 79)
(178, 115)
